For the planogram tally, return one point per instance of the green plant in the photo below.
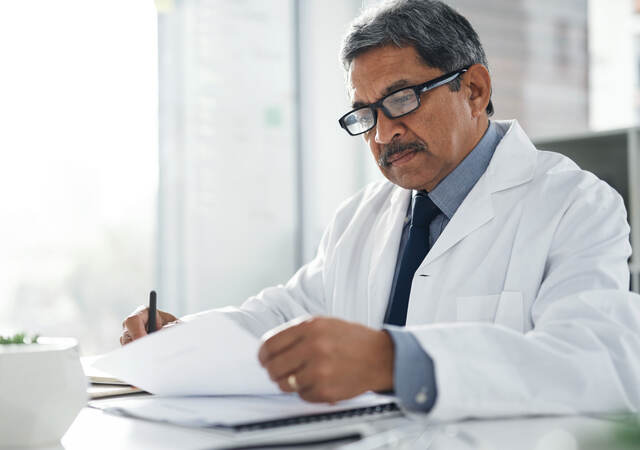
(18, 338)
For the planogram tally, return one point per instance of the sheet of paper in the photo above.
(231, 410)
(211, 355)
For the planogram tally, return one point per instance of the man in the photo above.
(483, 278)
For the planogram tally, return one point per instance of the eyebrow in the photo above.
(389, 89)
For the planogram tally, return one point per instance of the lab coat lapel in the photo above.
(512, 164)
(387, 233)
(475, 210)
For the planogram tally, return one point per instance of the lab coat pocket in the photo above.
(510, 312)
(504, 309)
(478, 308)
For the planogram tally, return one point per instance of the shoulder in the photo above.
(581, 209)
(547, 180)
(559, 175)
(556, 190)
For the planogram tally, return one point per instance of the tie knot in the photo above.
(424, 211)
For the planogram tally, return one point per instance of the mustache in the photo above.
(398, 147)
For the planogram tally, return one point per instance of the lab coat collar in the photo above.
(513, 164)
(514, 160)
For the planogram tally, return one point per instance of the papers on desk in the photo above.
(104, 385)
(211, 355)
(206, 374)
(240, 413)
(102, 390)
(97, 376)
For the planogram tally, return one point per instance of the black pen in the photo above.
(151, 323)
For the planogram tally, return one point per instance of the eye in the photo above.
(401, 102)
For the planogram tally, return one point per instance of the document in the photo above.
(211, 355)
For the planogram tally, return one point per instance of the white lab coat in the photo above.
(522, 302)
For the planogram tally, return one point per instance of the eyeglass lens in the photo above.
(360, 121)
(397, 104)
(401, 102)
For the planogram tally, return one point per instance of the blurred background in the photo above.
(192, 146)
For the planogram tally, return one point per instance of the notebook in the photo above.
(97, 376)
(104, 385)
(246, 412)
(241, 421)
(101, 390)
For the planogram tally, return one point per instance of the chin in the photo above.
(407, 184)
(415, 175)
(411, 181)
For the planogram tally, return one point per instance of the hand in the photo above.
(135, 326)
(331, 359)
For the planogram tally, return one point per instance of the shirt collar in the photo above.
(449, 194)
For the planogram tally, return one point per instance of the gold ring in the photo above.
(293, 383)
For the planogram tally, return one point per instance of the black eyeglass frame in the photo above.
(419, 89)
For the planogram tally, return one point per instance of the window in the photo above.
(78, 166)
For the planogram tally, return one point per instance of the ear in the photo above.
(478, 85)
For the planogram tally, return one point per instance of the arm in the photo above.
(302, 295)
(414, 378)
(273, 306)
(308, 291)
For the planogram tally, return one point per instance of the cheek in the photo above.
(374, 148)
(439, 115)
(437, 131)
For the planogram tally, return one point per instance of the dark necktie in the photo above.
(424, 211)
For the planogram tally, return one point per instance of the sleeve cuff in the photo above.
(414, 379)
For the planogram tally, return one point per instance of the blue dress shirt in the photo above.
(414, 374)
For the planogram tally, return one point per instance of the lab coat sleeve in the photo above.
(305, 293)
(583, 353)
(302, 295)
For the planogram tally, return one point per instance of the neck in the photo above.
(481, 128)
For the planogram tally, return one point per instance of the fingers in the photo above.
(330, 359)
(316, 385)
(284, 353)
(163, 318)
(136, 323)
(280, 342)
(285, 386)
(287, 363)
(135, 326)
(125, 338)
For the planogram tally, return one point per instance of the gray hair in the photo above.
(443, 38)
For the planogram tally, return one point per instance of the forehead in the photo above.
(374, 73)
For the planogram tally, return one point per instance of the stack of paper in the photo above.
(238, 411)
(206, 374)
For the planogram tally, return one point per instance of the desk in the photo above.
(94, 429)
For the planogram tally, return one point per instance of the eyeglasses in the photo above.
(394, 105)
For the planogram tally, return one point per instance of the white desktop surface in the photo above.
(97, 430)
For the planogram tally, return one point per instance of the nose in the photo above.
(387, 129)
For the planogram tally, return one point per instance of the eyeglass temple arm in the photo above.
(445, 81)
